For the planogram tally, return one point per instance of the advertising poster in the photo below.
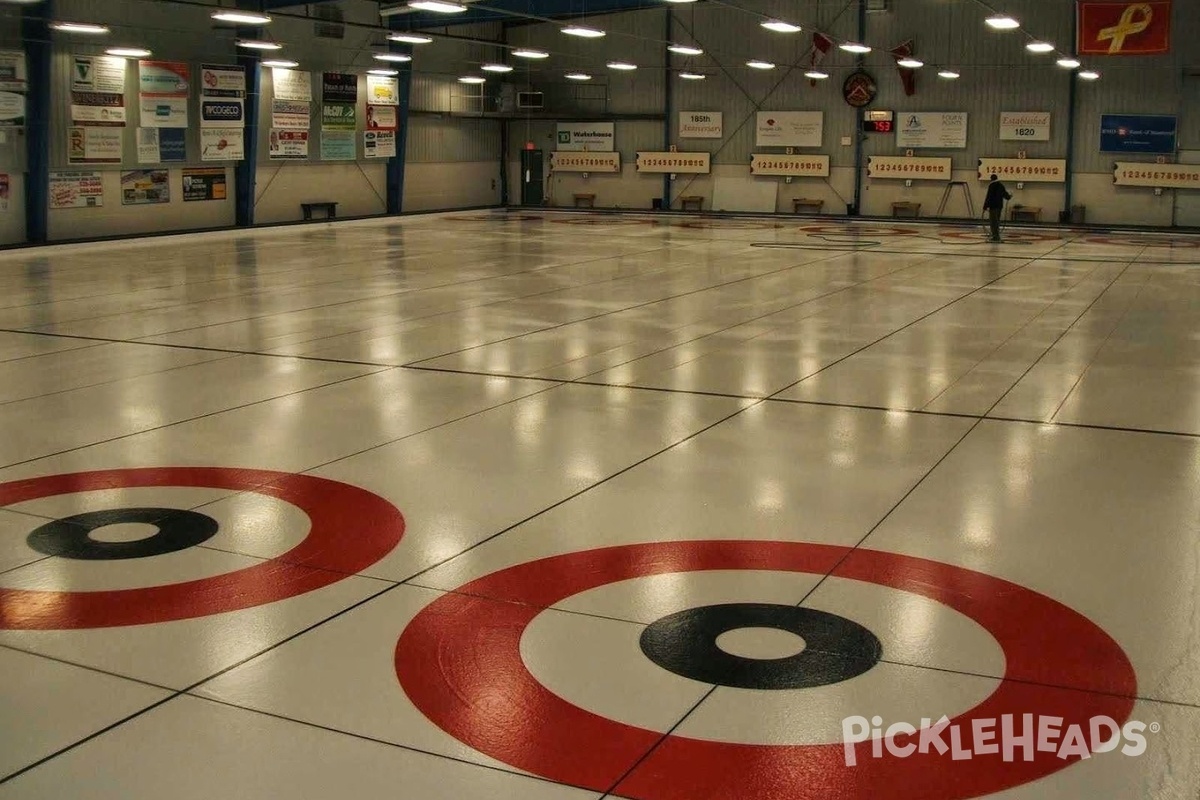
(338, 145)
(290, 115)
(98, 108)
(944, 130)
(222, 144)
(12, 108)
(381, 118)
(76, 190)
(98, 74)
(383, 91)
(338, 87)
(700, 125)
(161, 145)
(217, 80)
(95, 145)
(290, 84)
(1025, 126)
(789, 128)
(1137, 133)
(222, 112)
(145, 187)
(379, 144)
(164, 79)
(164, 112)
(596, 136)
(5, 191)
(339, 118)
(204, 183)
(12, 71)
(1107, 28)
(288, 145)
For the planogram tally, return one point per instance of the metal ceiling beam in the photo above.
(517, 12)
(271, 5)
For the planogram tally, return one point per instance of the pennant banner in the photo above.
(1124, 29)
(907, 76)
(822, 44)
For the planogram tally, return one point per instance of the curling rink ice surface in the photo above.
(534, 505)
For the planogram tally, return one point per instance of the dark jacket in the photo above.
(996, 195)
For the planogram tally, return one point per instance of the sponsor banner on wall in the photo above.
(12, 109)
(76, 190)
(164, 79)
(1137, 133)
(943, 130)
(700, 125)
(95, 145)
(145, 187)
(98, 108)
(292, 115)
(12, 71)
(291, 84)
(1025, 126)
(339, 87)
(1028, 170)
(222, 144)
(204, 183)
(1111, 28)
(902, 167)
(791, 166)
(789, 128)
(338, 145)
(383, 90)
(288, 145)
(161, 145)
(673, 162)
(379, 144)
(598, 136)
(163, 112)
(1166, 176)
(339, 117)
(575, 161)
(5, 191)
(218, 80)
(98, 74)
(224, 112)
(381, 118)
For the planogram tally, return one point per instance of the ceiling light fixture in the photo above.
(685, 50)
(437, 6)
(258, 44)
(128, 52)
(526, 53)
(948, 74)
(241, 17)
(1002, 22)
(1089, 75)
(855, 47)
(691, 76)
(816, 75)
(78, 27)
(472, 79)
(621, 65)
(577, 76)
(397, 58)
(1068, 63)
(582, 31)
(910, 63)
(1040, 47)
(755, 64)
(386, 72)
(410, 38)
(496, 68)
(280, 63)
(779, 26)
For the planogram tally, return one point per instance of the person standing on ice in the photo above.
(994, 204)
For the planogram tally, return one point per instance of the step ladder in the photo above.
(966, 195)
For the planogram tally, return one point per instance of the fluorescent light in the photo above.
(1002, 22)
(780, 26)
(948, 74)
(1040, 47)
(910, 63)
(816, 75)
(496, 68)
(691, 76)
(472, 79)
(581, 30)
(128, 52)
(525, 53)
(681, 1)
(577, 76)
(78, 27)
(258, 44)
(623, 65)
(439, 6)
(855, 47)
(755, 64)
(410, 38)
(1068, 63)
(281, 63)
(396, 58)
(388, 72)
(243, 17)
(1089, 75)
(685, 50)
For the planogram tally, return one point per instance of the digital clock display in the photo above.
(877, 126)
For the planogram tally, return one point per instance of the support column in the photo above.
(35, 32)
(668, 91)
(245, 173)
(395, 165)
(859, 136)
(1072, 103)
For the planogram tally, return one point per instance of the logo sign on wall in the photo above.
(164, 112)
(163, 78)
(383, 91)
(288, 145)
(289, 114)
(1166, 176)
(379, 144)
(95, 145)
(1025, 126)
(700, 125)
(222, 113)
(290, 84)
(859, 89)
(338, 87)
(339, 117)
(932, 129)
(338, 145)
(1029, 170)
(76, 190)
(205, 183)
(222, 144)
(789, 128)
(1137, 133)
(161, 145)
(12, 108)
(1108, 28)
(598, 136)
(217, 80)
(12, 71)
(381, 118)
(99, 74)
(98, 108)
(145, 187)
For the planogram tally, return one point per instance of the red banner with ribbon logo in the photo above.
(1108, 28)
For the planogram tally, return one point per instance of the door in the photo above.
(531, 178)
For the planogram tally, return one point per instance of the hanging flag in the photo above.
(907, 76)
(1122, 28)
(822, 44)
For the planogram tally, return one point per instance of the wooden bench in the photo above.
(330, 209)
(691, 199)
(1026, 213)
(906, 209)
(585, 201)
(806, 204)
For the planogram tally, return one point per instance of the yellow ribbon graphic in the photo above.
(1129, 25)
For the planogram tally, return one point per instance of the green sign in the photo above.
(338, 117)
